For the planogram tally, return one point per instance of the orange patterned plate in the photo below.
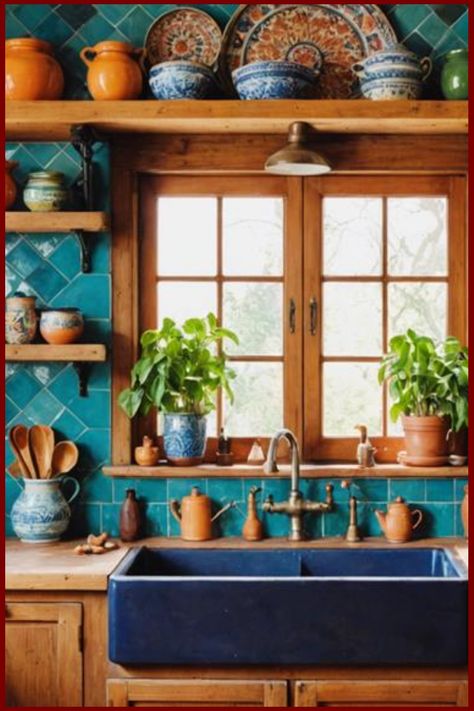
(334, 36)
(185, 33)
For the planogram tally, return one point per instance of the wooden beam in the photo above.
(73, 353)
(56, 221)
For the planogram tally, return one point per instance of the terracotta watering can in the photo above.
(397, 524)
(195, 515)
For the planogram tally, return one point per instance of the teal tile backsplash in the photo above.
(48, 266)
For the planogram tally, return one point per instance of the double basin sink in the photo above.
(377, 606)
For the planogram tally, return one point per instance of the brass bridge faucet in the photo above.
(296, 506)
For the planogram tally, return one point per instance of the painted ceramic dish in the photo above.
(275, 80)
(181, 80)
(314, 35)
(185, 33)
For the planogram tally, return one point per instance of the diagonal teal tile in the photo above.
(24, 259)
(94, 448)
(135, 25)
(46, 372)
(43, 409)
(93, 410)
(64, 386)
(47, 282)
(14, 29)
(97, 29)
(96, 488)
(67, 426)
(11, 410)
(54, 29)
(90, 292)
(66, 257)
(45, 244)
(113, 12)
(22, 388)
(76, 15)
(12, 281)
(11, 240)
(31, 15)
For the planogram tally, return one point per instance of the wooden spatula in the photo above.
(65, 457)
(19, 442)
(40, 450)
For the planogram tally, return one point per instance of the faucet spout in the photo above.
(270, 466)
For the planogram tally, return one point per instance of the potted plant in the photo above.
(428, 386)
(178, 373)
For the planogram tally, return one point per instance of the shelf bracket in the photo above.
(85, 249)
(82, 138)
(83, 372)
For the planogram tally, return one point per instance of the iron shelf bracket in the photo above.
(83, 138)
(83, 371)
(83, 240)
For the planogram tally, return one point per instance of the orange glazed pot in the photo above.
(10, 185)
(426, 441)
(31, 71)
(114, 73)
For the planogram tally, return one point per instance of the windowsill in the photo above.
(310, 471)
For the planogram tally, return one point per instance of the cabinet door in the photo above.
(43, 654)
(205, 692)
(381, 693)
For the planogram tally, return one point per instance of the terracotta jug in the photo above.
(465, 512)
(113, 73)
(31, 71)
(130, 518)
(147, 455)
(195, 516)
(253, 528)
(397, 524)
(10, 185)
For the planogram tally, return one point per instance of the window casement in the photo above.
(315, 275)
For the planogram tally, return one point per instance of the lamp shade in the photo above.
(297, 157)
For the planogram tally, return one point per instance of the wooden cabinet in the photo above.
(43, 654)
(338, 692)
(205, 692)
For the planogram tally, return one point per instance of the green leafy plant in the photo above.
(179, 369)
(427, 379)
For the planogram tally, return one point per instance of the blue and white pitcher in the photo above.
(41, 514)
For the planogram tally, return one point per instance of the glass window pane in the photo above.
(258, 404)
(352, 229)
(394, 429)
(183, 300)
(254, 312)
(417, 236)
(352, 319)
(253, 236)
(351, 396)
(419, 306)
(187, 234)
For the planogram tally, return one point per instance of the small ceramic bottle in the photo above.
(130, 518)
(465, 512)
(253, 528)
(454, 75)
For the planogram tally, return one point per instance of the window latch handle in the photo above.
(313, 316)
(292, 316)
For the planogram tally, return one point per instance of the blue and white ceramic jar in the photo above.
(275, 80)
(45, 192)
(41, 514)
(184, 438)
(393, 73)
(181, 79)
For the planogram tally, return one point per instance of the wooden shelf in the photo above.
(52, 120)
(74, 353)
(56, 222)
(310, 471)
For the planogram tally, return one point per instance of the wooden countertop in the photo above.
(56, 567)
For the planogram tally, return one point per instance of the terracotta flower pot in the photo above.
(61, 326)
(10, 185)
(31, 71)
(426, 441)
(114, 73)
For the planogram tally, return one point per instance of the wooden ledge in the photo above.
(56, 221)
(73, 353)
(308, 471)
(52, 120)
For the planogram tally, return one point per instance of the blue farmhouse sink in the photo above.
(289, 606)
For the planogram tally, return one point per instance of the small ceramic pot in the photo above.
(41, 514)
(454, 75)
(31, 71)
(184, 438)
(275, 80)
(61, 326)
(45, 192)
(113, 73)
(10, 185)
(391, 89)
(20, 319)
(147, 455)
(181, 79)
(396, 62)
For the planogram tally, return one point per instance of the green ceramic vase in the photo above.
(454, 82)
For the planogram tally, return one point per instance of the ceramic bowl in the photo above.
(391, 89)
(181, 79)
(61, 326)
(275, 80)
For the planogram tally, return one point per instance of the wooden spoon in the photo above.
(19, 443)
(65, 456)
(41, 452)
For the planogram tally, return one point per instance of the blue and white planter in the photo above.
(184, 438)
(41, 514)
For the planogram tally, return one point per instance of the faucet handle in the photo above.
(329, 497)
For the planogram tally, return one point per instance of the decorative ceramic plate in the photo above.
(331, 36)
(185, 33)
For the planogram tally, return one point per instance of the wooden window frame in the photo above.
(349, 154)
